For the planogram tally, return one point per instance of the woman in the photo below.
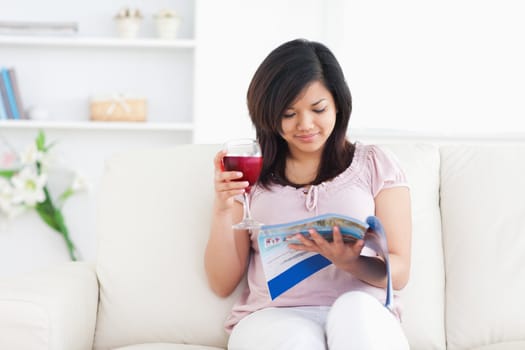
(300, 105)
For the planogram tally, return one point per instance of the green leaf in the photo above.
(46, 210)
(54, 218)
(67, 193)
(8, 173)
(48, 219)
(59, 219)
(41, 141)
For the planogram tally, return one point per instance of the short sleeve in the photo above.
(385, 170)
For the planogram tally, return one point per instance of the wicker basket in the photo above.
(118, 108)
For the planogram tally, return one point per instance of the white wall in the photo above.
(234, 36)
(451, 65)
(438, 66)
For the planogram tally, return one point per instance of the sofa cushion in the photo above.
(49, 309)
(515, 345)
(166, 346)
(153, 222)
(483, 206)
(24, 325)
(423, 298)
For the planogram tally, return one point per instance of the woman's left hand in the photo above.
(341, 254)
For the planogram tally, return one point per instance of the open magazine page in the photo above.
(375, 239)
(285, 267)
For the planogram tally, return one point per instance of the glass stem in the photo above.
(247, 215)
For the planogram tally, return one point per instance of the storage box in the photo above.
(118, 108)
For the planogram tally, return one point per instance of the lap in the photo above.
(355, 321)
(281, 328)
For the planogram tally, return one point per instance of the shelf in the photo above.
(102, 42)
(89, 125)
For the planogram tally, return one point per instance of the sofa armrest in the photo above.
(51, 309)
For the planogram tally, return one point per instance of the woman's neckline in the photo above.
(350, 169)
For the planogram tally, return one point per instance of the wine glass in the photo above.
(244, 155)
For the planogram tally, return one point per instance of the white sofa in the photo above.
(148, 289)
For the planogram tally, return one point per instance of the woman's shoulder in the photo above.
(369, 162)
(382, 167)
(375, 154)
(365, 156)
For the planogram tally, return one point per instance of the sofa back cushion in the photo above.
(423, 298)
(153, 222)
(483, 211)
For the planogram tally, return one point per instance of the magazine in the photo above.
(285, 267)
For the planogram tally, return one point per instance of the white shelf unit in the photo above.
(93, 125)
(148, 65)
(60, 73)
(101, 42)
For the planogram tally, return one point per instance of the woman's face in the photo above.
(309, 121)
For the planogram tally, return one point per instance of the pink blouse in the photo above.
(350, 193)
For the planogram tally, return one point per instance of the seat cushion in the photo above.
(515, 345)
(167, 346)
(483, 206)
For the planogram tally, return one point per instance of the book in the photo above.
(285, 267)
(10, 93)
(16, 93)
(3, 97)
(36, 28)
(3, 112)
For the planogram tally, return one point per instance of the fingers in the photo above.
(217, 161)
(335, 250)
(226, 182)
(337, 236)
(312, 242)
(318, 239)
(304, 240)
(357, 247)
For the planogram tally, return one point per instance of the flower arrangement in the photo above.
(128, 22)
(127, 12)
(25, 185)
(167, 22)
(166, 13)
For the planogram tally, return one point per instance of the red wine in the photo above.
(249, 166)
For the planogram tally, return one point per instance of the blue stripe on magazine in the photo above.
(295, 274)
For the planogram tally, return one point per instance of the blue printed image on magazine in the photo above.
(350, 228)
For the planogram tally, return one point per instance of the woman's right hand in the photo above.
(226, 186)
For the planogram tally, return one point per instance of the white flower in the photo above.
(29, 186)
(80, 183)
(47, 159)
(7, 206)
(31, 155)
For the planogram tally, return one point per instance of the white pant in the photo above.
(355, 321)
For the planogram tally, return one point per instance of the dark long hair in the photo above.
(283, 74)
